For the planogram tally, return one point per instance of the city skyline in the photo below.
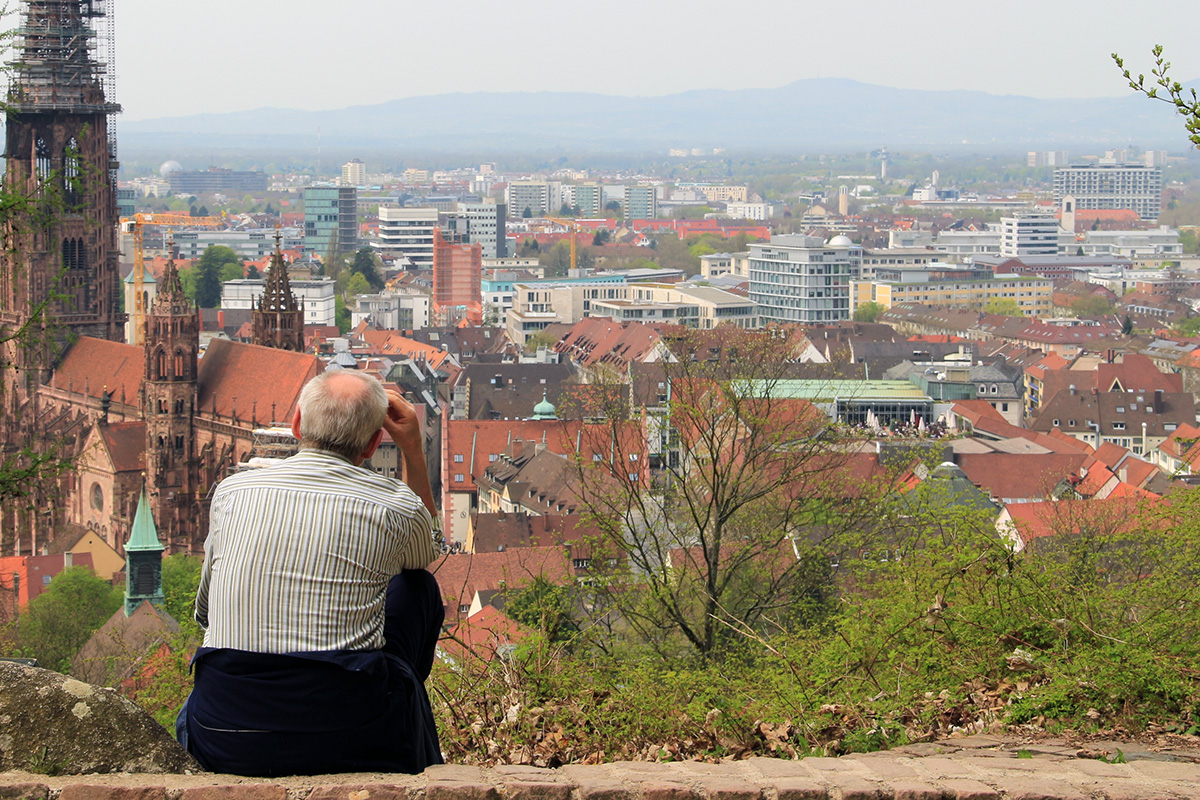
(248, 56)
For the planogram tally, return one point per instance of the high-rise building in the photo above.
(1029, 233)
(1111, 184)
(60, 143)
(354, 173)
(407, 234)
(528, 196)
(216, 179)
(330, 220)
(641, 202)
(589, 198)
(803, 278)
(485, 226)
(457, 277)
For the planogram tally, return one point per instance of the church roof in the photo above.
(146, 278)
(144, 536)
(249, 378)
(126, 443)
(90, 365)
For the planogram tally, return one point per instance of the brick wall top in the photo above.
(977, 768)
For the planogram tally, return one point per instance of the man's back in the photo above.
(299, 556)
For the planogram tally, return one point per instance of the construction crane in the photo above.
(575, 228)
(135, 225)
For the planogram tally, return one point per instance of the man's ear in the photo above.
(373, 444)
(296, 423)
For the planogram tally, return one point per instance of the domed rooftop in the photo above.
(168, 167)
(841, 240)
(545, 409)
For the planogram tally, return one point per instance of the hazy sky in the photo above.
(227, 55)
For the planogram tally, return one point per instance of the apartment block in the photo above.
(970, 289)
(641, 202)
(1112, 184)
(528, 196)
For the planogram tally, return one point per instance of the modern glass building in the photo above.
(330, 220)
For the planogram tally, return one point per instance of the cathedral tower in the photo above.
(172, 342)
(61, 158)
(279, 319)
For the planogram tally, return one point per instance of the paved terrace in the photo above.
(975, 768)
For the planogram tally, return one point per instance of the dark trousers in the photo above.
(309, 713)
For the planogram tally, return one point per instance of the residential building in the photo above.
(250, 245)
(723, 194)
(528, 196)
(316, 297)
(755, 211)
(973, 289)
(406, 235)
(803, 278)
(589, 199)
(1030, 233)
(389, 310)
(1112, 184)
(330, 220)
(641, 202)
(354, 173)
(873, 260)
(962, 244)
(1138, 421)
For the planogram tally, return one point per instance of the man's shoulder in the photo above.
(317, 470)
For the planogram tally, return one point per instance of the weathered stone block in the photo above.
(85, 791)
(359, 791)
(667, 790)
(536, 790)
(455, 790)
(237, 791)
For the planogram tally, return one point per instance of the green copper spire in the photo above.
(143, 559)
(545, 409)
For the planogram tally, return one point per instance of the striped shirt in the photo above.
(299, 555)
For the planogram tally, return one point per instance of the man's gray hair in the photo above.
(340, 410)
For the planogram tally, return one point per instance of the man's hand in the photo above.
(403, 425)
(405, 429)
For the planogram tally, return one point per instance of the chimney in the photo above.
(1158, 400)
(1072, 388)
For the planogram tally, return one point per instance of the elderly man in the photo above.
(320, 619)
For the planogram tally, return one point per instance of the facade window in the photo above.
(491, 458)
(458, 458)
(458, 477)
(97, 497)
(633, 456)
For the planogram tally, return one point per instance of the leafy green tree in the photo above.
(357, 285)
(539, 339)
(56, 623)
(209, 269)
(544, 607)
(231, 272)
(1127, 326)
(252, 272)
(1005, 306)
(869, 312)
(1094, 306)
(181, 579)
(1189, 327)
(601, 238)
(366, 263)
(527, 213)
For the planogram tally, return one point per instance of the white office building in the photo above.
(250, 245)
(803, 278)
(406, 234)
(316, 297)
(1030, 233)
(393, 311)
(485, 227)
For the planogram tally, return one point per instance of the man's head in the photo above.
(341, 411)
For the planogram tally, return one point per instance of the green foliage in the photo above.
(1163, 87)
(1187, 327)
(545, 608)
(357, 285)
(869, 312)
(252, 272)
(539, 339)
(366, 263)
(1127, 326)
(1094, 306)
(1003, 305)
(56, 623)
(231, 272)
(180, 579)
(209, 270)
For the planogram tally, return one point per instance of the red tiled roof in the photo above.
(90, 365)
(1019, 476)
(1136, 373)
(256, 382)
(482, 635)
(126, 443)
(1047, 518)
(461, 575)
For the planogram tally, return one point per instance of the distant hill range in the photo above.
(808, 115)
